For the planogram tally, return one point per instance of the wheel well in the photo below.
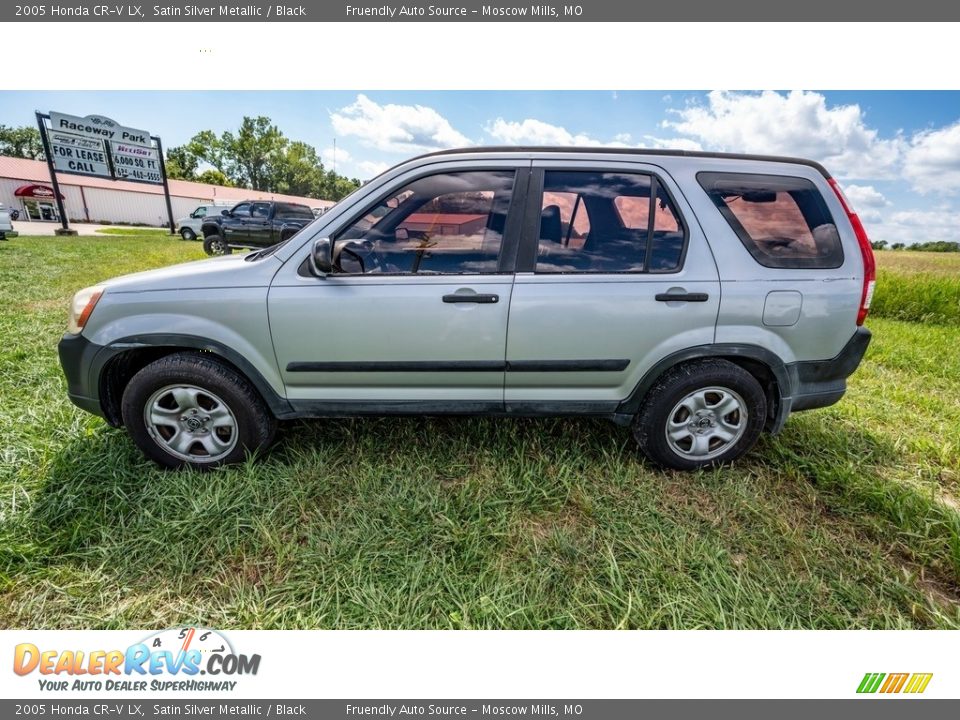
(120, 369)
(763, 375)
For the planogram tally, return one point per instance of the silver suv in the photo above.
(697, 298)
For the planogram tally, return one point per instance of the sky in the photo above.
(896, 153)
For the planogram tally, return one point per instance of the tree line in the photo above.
(258, 156)
(931, 246)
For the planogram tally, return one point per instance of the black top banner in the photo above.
(469, 11)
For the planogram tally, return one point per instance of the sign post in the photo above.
(100, 147)
(64, 225)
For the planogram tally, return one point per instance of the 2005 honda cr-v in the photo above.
(698, 298)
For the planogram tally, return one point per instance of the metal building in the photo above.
(25, 185)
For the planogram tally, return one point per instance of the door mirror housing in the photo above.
(226, 213)
(321, 257)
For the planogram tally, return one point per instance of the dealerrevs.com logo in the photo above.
(179, 659)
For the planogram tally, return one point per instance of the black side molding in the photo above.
(463, 366)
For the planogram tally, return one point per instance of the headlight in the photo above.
(80, 308)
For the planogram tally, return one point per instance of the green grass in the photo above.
(139, 232)
(920, 287)
(849, 518)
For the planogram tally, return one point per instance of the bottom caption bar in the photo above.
(920, 709)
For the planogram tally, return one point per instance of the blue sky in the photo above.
(897, 153)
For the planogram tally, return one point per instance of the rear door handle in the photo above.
(681, 297)
(483, 298)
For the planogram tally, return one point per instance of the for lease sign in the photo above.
(79, 155)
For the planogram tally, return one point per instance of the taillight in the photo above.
(869, 264)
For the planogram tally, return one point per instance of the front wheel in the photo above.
(191, 410)
(701, 414)
(188, 234)
(215, 245)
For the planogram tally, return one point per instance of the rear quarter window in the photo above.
(782, 221)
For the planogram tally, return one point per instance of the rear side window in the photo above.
(596, 222)
(289, 210)
(782, 221)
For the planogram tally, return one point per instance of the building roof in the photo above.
(35, 171)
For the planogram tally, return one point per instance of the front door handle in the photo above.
(681, 297)
(483, 298)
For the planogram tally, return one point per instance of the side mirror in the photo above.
(226, 213)
(321, 257)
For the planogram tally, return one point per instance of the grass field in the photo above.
(848, 519)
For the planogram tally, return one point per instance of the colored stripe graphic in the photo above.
(918, 682)
(893, 683)
(870, 682)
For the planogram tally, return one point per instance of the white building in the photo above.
(25, 185)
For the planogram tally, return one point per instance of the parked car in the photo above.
(6, 224)
(253, 224)
(697, 298)
(190, 226)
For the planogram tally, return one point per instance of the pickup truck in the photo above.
(6, 224)
(253, 224)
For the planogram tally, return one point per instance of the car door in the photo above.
(259, 227)
(234, 225)
(415, 315)
(614, 274)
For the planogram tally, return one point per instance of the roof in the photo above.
(628, 151)
(35, 171)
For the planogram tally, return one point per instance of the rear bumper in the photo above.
(820, 383)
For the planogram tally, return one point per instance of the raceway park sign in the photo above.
(96, 145)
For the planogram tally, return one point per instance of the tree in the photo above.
(298, 171)
(255, 153)
(214, 177)
(897, 246)
(878, 244)
(181, 163)
(21, 142)
(258, 156)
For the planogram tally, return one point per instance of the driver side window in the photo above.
(440, 224)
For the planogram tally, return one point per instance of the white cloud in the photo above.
(335, 156)
(865, 196)
(396, 128)
(370, 168)
(537, 132)
(797, 123)
(910, 226)
(932, 162)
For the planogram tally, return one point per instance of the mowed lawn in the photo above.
(848, 519)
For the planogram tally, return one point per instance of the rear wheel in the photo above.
(190, 410)
(216, 245)
(701, 414)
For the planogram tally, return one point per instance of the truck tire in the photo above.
(191, 410)
(215, 245)
(701, 414)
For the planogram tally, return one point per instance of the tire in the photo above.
(680, 425)
(191, 410)
(188, 234)
(215, 245)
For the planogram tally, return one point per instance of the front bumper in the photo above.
(76, 358)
